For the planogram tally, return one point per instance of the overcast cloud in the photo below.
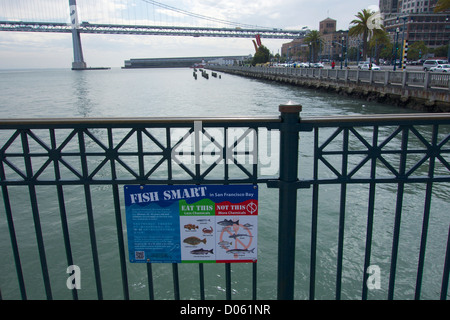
(47, 50)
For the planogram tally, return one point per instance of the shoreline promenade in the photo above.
(417, 90)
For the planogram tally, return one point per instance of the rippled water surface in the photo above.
(175, 93)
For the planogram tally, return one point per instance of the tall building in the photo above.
(332, 46)
(416, 6)
(393, 7)
(327, 26)
(388, 7)
(415, 20)
(333, 41)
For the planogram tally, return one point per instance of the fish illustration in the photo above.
(202, 251)
(247, 225)
(193, 241)
(226, 222)
(240, 250)
(225, 243)
(234, 236)
(206, 230)
(190, 226)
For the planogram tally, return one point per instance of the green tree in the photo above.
(387, 52)
(441, 51)
(262, 55)
(352, 53)
(315, 41)
(379, 41)
(361, 27)
(417, 50)
(442, 5)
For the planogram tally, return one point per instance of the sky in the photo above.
(54, 50)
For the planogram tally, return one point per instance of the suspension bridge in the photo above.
(133, 17)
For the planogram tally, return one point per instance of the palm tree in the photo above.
(379, 41)
(442, 5)
(361, 28)
(315, 40)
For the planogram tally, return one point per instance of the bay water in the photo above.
(61, 93)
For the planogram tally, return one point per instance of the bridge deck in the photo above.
(150, 30)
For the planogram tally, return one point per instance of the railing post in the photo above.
(386, 77)
(426, 81)
(290, 116)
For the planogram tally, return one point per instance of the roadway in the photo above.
(382, 67)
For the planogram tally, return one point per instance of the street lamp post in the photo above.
(403, 41)
(396, 46)
(448, 50)
(346, 52)
(342, 49)
(357, 54)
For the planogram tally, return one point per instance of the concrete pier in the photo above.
(418, 90)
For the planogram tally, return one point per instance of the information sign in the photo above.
(192, 223)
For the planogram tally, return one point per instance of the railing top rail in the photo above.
(127, 122)
(378, 118)
(249, 120)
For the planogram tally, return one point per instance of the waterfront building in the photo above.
(182, 62)
(334, 43)
(331, 47)
(409, 20)
(415, 20)
(388, 6)
(296, 50)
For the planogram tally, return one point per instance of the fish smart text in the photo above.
(173, 194)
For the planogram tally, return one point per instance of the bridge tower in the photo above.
(78, 60)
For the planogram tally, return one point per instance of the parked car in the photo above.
(441, 68)
(369, 66)
(428, 64)
(361, 64)
(317, 65)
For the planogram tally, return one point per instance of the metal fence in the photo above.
(416, 79)
(60, 153)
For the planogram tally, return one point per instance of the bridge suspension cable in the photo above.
(32, 10)
(119, 12)
(116, 17)
(203, 17)
(125, 17)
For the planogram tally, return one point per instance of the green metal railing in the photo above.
(414, 79)
(61, 153)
